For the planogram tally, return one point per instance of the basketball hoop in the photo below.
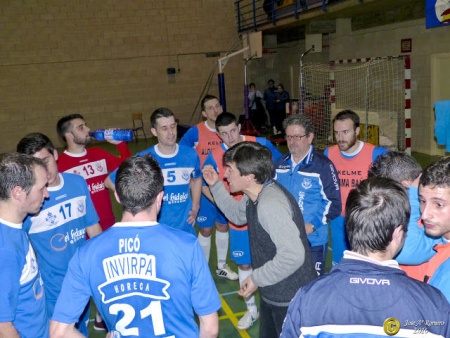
(269, 58)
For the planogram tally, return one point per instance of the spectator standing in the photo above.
(269, 99)
(256, 107)
(281, 98)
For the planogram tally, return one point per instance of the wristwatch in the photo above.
(313, 228)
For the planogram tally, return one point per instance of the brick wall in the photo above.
(108, 59)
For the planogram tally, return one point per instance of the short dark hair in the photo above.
(251, 158)
(17, 170)
(158, 113)
(252, 85)
(348, 114)
(374, 209)
(437, 174)
(32, 143)
(225, 119)
(206, 98)
(396, 165)
(271, 81)
(139, 180)
(64, 126)
(299, 120)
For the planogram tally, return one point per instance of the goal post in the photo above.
(377, 89)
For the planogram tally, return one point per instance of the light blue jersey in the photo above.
(178, 169)
(22, 295)
(147, 280)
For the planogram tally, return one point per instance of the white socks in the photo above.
(250, 301)
(205, 243)
(222, 240)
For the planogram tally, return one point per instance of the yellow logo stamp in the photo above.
(391, 326)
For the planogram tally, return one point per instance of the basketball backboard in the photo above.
(254, 43)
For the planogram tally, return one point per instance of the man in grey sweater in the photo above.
(279, 246)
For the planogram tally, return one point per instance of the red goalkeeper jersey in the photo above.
(94, 165)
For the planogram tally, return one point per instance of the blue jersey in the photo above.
(366, 300)
(147, 279)
(441, 277)
(265, 142)
(191, 137)
(59, 229)
(178, 169)
(218, 166)
(314, 184)
(22, 295)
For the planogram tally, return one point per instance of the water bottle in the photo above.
(112, 134)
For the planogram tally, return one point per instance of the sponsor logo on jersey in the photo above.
(237, 253)
(99, 166)
(307, 183)
(186, 175)
(38, 288)
(284, 166)
(301, 197)
(131, 273)
(96, 187)
(176, 198)
(369, 281)
(80, 206)
(51, 219)
(60, 197)
(59, 242)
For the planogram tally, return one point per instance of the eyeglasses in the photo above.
(294, 137)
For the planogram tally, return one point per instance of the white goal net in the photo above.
(375, 89)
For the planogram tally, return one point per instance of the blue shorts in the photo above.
(209, 214)
(240, 246)
(339, 240)
(318, 255)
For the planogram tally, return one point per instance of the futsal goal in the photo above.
(377, 89)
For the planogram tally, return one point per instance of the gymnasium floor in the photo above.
(233, 306)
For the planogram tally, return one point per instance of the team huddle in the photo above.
(148, 273)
